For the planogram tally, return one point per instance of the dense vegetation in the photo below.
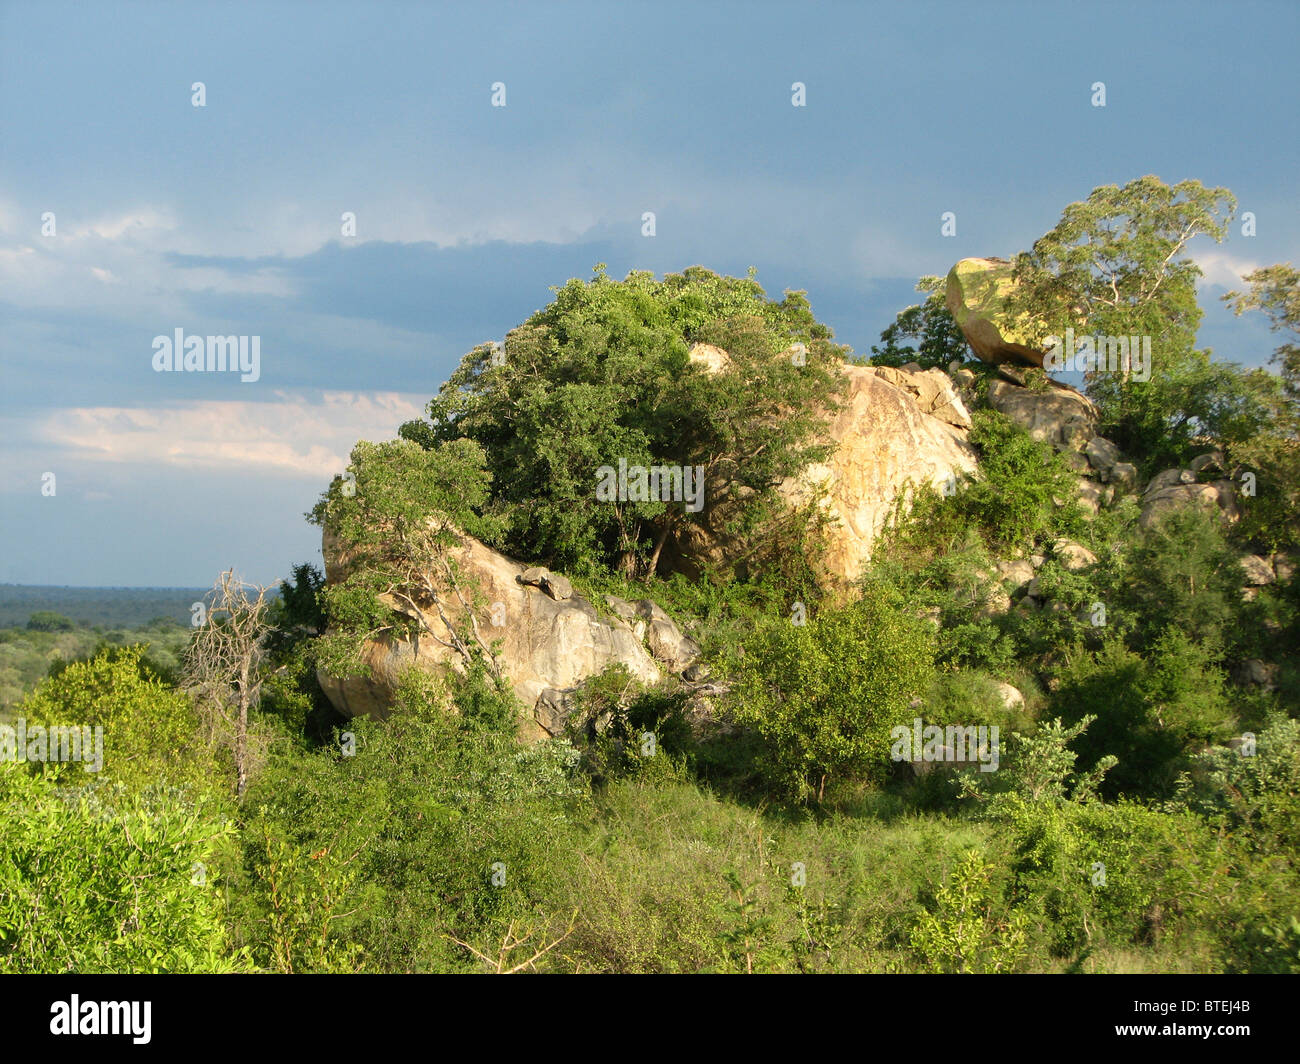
(1143, 816)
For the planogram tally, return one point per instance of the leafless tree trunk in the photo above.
(223, 665)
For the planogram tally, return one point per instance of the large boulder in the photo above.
(977, 296)
(550, 640)
(885, 440)
(651, 624)
(1177, 489)
(1060, 415)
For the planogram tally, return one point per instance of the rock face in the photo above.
(1177, 489)
(651, 624)
(551, 639)
(933, 391)
(977, 298)
(1060, 416)
(894, 427)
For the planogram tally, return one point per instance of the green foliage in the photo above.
(824, 695)
(1182, 573)
(1010, 503)
(105, 880)
(602, 375)
(938, 338)
(412, 823)
(1037, 769)
(1012, 499)
(1275, 290)
(151, 732)
(1150, 710)
(299, 603)
(966, 932)
(1116, 265)
(396, 521)
(49, 621)
(1253, 791)
(631, 730)
(1119, 871)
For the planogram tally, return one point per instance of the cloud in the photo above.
(1222, 269)
(295, 434)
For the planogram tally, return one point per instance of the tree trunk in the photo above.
(659, 546)
(241, 733)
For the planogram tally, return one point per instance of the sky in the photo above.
(227, 218)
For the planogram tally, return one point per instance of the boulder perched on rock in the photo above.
(977, 298)
(893, 429)
(548, 640)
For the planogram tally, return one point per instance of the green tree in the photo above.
(929, 326)
(151, 732)
(824, 695)
(1182, 573)
(395, 519)
(49, 621)
(1275, 290)
(1116, 265)
(602, 374)
(1272, 450)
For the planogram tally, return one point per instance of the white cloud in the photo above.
(1222, 269)
(295, 434)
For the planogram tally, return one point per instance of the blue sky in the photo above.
(225, 219)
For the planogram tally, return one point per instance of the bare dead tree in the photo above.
(223, 666)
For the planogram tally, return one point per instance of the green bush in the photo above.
(825, 694)
(440, 826)
(152, 733)
(1150, 711)
(105, 880)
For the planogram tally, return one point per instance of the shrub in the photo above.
(106, 880)
(824, 695)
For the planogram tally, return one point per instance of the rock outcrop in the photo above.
(894, 428)
(551, 639)
(976, 296)
(1179, 489)
(1060, 415)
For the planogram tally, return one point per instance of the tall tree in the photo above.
(1117, 265)
(1276, 291)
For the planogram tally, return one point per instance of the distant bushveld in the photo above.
(129, 607)
(41, 627)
